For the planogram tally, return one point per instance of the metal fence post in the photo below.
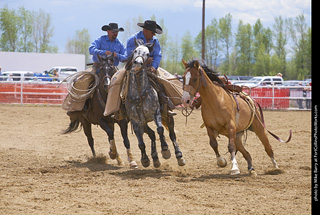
(21, 92)
(273, 97)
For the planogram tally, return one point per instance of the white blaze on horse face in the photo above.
(186, 95)
(140, 56)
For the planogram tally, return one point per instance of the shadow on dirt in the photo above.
(96, 164)
(220, 177)
(137, 174)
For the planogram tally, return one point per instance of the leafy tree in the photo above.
(225, 34)
(280, 33)
(244, 39)
(80, 43)
(26, 19)
(301, 37)
(9, 26)
(42, 32)
(187, 47)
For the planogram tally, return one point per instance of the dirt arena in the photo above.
(45, 172)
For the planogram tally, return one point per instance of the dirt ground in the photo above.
(45, 172)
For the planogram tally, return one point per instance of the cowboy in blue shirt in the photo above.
(150, 28)
(107, 44)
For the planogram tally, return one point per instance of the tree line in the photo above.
(248, 50)
(26, 31)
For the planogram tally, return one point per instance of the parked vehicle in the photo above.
(18, 75)
(238, 79)
(63, 71)
(262, 81)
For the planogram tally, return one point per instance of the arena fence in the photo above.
(52, 93)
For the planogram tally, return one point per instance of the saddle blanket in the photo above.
(171, 85)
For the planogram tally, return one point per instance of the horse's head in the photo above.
(191, 81)
(140, 55)
(106, 68)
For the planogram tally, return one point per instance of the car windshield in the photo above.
(68, 70)
(255, 80)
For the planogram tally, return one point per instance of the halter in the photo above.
(188, 88)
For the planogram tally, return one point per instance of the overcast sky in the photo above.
(179, 15)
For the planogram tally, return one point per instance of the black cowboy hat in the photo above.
(112, 26)
(151, 25)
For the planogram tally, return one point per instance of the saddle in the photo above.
(167, 85)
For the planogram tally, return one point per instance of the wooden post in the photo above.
(203, 29)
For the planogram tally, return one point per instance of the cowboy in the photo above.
(108, 44)
(104, 45)
(150, 28)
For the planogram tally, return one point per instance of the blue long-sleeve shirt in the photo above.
(103, 44)
(155, 54)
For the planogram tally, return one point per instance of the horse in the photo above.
(225, 114)
(92, 113)
(142, 106)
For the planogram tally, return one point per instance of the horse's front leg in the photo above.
(213, 134)
(170, 124)
(123, 124)
(232, 150)
(108, 127)
(138, 130)
(154, 153)
(164, 146)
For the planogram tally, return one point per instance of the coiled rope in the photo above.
(76, 93)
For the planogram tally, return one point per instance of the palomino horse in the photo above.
(93, 113)
(224, 114)
(142, 106)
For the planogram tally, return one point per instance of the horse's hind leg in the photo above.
(138, 130)
(169, 121)
(245, 153)
(154, 153)
(87, 131)
(164, 146)
(123, 124)
(261, 133)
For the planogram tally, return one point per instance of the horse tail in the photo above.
(74, 123)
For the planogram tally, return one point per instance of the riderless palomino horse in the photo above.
(142, 106)
(93, 113)
(225, 114)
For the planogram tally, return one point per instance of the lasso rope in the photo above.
(74, 92)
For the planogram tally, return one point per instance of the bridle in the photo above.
(190, 89)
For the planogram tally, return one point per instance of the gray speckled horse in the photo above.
(142, 106)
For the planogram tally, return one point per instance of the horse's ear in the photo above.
(112, 55)
(185, 63)
(135, 42)
(150, 46)
(196, 64)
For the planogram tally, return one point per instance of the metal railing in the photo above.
(48, 93)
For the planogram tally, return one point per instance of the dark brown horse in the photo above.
(223, 114)
(92, 113)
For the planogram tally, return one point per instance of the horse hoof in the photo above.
(235, 172)
(221, 162)
(156, 163)
(253, 173)
(133, 165)
(166, 154)
(145, 162)
(181, 161)
(112, 155)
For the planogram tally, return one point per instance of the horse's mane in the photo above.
(213, 75)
